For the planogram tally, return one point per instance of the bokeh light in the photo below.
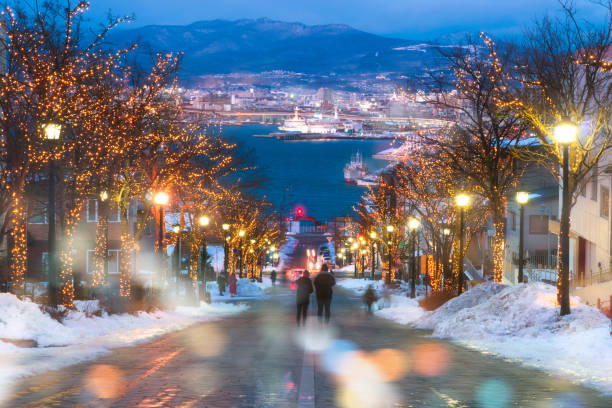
(105, 381)
(494, 393)
(431, 359)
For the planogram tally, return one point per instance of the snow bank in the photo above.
(245, 288)
(360, 285)
(521, 323)
(82, 335)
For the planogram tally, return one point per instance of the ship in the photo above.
(317, 125)
(355, 169)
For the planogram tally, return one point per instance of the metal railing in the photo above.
(593, 278)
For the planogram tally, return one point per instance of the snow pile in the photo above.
(83, 335)
(360, 285)
(401, 309)
(521, 323)
(245, 289)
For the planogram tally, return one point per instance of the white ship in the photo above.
(355, 170)
(316, 125)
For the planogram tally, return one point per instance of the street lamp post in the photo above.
(226, 238)
(413, 225)
(52, 133)
(462, 201)
(445, 255)
(521, 197)
(390, 230)
(177, 273)
(565, 134)
(373, 253)
(161, 199)
(241, 234)
(204, 222)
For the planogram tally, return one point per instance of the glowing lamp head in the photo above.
(204, 221)
(413, 224)
(300, 212)
(161, 198)
(462, 200)
(225, 227)
(522, 197)
(350, 239)
(176, 229)
(241, 233)
(104, 196)
(252, 241)
(446, 231)
(373, 234)
(390, 228)
(565, 133)
(361, 238)
(52, 131)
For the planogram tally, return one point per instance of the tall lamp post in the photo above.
(373, 253)
(52, 133)
(390, 229)
(522, 197)
(565, 134)
(204, 222)
(445, 255)
(413, 226)
(462, 201)
(161, 199)
(226, 238)
(241, 234)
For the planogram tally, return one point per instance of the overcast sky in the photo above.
(412, 19)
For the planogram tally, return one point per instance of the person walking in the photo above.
(369, 297)
(233, 284)
(302, 298)
(221, 282)
(323, 284)
(273, 277)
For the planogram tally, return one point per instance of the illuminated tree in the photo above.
(479, 145)
(564, 76)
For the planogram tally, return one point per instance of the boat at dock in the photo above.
(355, 169)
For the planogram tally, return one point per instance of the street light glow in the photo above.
(390, 228)
(522, 197)
(462, 200)
(414, 223)
(241, 233)
(204, 221)
(373, 234)
(225, 227)
(446, 231)
(52, 131)
(565, 133)
(161, 198)
(176, 229)
(104, 196)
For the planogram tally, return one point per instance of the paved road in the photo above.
(252, 360)
(258, 359)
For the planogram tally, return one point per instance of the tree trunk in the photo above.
(19, 248)
(497, 210)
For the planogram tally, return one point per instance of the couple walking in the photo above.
(323, 284)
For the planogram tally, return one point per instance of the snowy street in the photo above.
(257, 359)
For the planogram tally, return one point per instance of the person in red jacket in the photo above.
(233, 284)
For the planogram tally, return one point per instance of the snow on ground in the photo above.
(81, 335)
(521, 323)
(245, 288)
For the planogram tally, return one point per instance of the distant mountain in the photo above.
(221, 46)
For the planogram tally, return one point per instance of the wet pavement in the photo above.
(254, 360)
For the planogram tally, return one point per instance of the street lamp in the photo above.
(204, 222)
(565, 134)
(390, 229)
(463, 201)
(241, 234)
(373, 236)
(160, 199)
(521, 197)
(52, 133)
(413, 226)
(177, 230)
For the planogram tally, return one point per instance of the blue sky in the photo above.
(412, 19)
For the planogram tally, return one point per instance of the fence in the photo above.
(542, 275)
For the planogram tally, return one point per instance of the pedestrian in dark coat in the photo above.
(323, 284)
(273, 277)
(221, 282)
(369, 297)
(302, 297)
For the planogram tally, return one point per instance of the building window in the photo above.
(113, 213)
(594, 186)
(92, 210)
(538, 224)
(38, 212)
(113, 261)
(604, 204)
(44, 264)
